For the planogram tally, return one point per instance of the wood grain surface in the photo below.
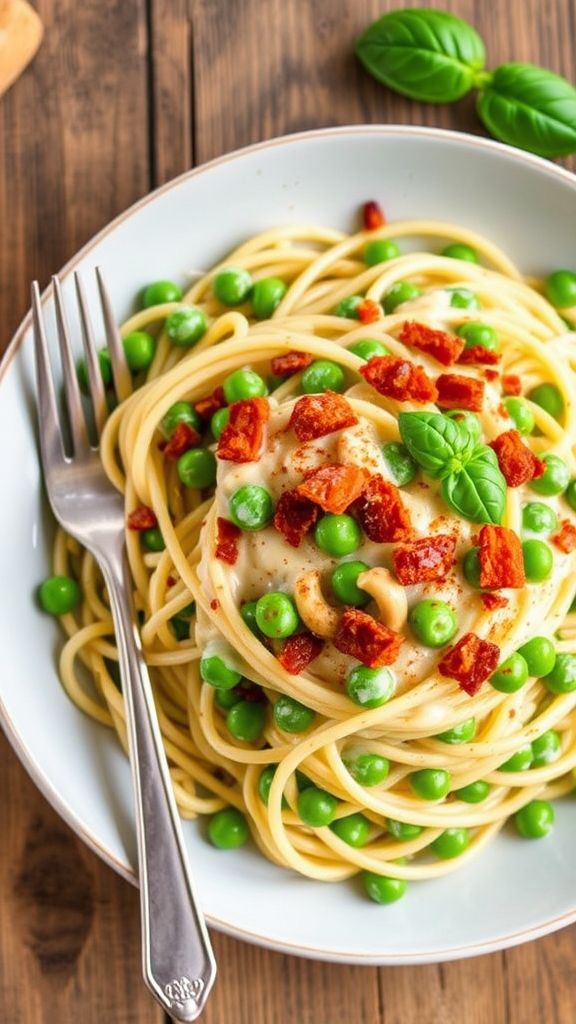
(122, 97)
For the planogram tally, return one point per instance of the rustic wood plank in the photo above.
(171, 79)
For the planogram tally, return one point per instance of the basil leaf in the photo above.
(477, 492)
(438, 443)
(530, 107)
(425, 54)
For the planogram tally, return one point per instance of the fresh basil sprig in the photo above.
(529, 107)
(478, 491)
(438, 444)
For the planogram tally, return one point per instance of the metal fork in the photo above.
(178, 962)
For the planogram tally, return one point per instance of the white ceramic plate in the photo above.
(515, 891)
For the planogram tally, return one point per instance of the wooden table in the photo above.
(121, 97)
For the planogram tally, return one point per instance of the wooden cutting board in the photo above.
(20, 35)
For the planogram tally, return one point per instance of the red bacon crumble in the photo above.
(317, 415)
(183, 438)
(373, 215)
(399, 379)
(511, 384)
(479, 354)
(565, 539)
(241, 439)
(501, 559)
(206, 407)
(470, 662)
(298, 651)
(425, 559)
(458, 392)
(381, 512)
(295, 516)
(493, 601)
(227, 540)
(517, 462)
(368, 311)
(333, 488)
(367, 640)
(491, 375)
(290, 363)
(142, 518)
(444, 347)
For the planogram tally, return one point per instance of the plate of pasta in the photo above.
(350, 485)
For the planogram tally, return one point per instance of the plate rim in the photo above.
(26, 757)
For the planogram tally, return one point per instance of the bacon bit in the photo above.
(142, 518)
(373, 215)
(227, 542)
(317, 415)
(368, 311)
(298, 651)
(444, 347)
(565, 539)
(493, 601)
(334, 488)
(206, 407)
(491, 375)
(290, 363)
(241, 439)
(399, 379)
(425, 559)
(214, 604)
(500, 556)
(381, 512)
(511, 384)
(479, 354)
(170, 581)
(517, 462)
(470, 662)
(457, 392)
(367, 640)
(294, 516)
(183, 438)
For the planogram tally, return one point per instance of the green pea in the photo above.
(520, 761)
(369, 687)
(380, 251)
(160, 292)
(276, 615)
(243, 384)
(232, 286)
(367, 348)
(538, 560)
(451, 843)
(461, 251)
(521, 414)
(562, 678)
(265, 782)
(546, 749)
(535, 820)
(226, 699)
(434, 623)
(555, 479)
(539, 517)
(246, 720)
(180, 412)
(345, 586)
(348, 307)
(219, 421)
(403, 830)
(382, 888)
(354, 829)
(474, 792)
(462, 733)
(105, 364)
(59, 595)
(153, 540)
(139, 348)
(316, 807)
(248, 613)
(510, 675)
(539, 654)
(471, 567)
(338, 535)
(570, 494)
(186, 326)
(430, 783)
(463, 298)
(292, 716)
(560, 289)
(216, 672)
(475, 334)
(548, 397)
(228, 829)
(400, 463)
(367, 769)
(402, 291)
(267, 295)
(322, 375)
(197, 468)
(468, 421)
(251, 507)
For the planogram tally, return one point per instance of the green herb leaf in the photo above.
(425, 54)
(477, 492)
(530, 107)
(438, 443)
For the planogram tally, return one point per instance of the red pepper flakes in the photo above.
(368, 311)
(382, 513)
(334, 487)
(399, 379)
(170, 581)
(517, 462)
(511, 384)
(241, 439)
(294, 517)
(565, 539)
(298, 651)
(142, 518)
(183, 438)
(317, 415)
(214, 604)
(479, 354)
(290, 363)
(206, 407)
(457, 392)
(367, 640)
(470, 662)
(373, 215)
(227, 540)
(493, 601)
(425, 559)
(491, 375)
(501, 559)
(444, 347)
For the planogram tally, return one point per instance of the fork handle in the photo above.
(178, 962)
